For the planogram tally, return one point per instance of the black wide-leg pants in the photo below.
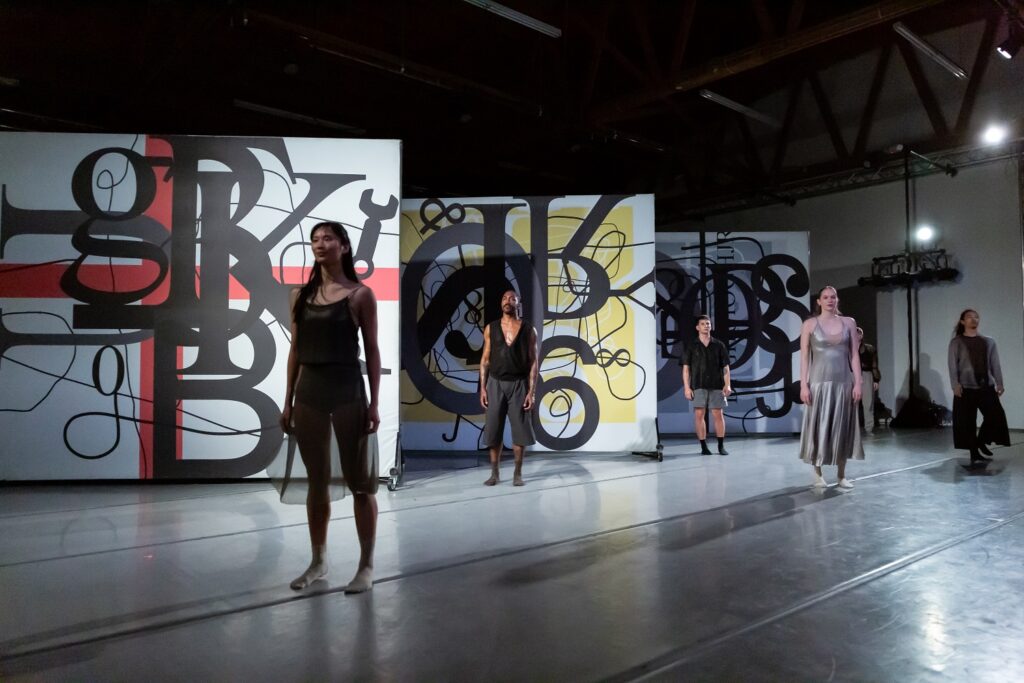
(965, 419)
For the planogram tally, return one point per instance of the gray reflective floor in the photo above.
(602, 567)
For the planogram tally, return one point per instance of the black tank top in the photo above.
(510, 362)
(328, 334)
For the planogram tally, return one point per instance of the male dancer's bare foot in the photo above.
(492, 481)
(517, 480)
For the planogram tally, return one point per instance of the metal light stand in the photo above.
(395, 475)
(656, 454)
(907, 269)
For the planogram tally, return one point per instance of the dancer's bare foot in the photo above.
(315, 572)
(517, 480)
(492, 481)
(361, 582)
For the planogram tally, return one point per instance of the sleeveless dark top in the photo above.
(510, 362)
(328, 334)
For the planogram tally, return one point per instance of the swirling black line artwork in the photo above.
(161, 267)
(584, 269)
(753, 285)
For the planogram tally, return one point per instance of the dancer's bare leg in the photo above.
(517, 473)
(701, 427)
(718, 415)
(313, 432)
(319, 516)
(819, 478)
(364, 507)
(495, 453)
(698, 423)
(844, 483)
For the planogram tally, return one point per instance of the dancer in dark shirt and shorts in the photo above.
(706, 383)
(508, 384)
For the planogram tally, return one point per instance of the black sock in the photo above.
(704, 450)
(721, 442)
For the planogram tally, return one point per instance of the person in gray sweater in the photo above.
(977, 382)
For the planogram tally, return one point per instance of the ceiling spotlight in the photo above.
(924, 234)
(994, 135)
(929, 50)
(1011, 46)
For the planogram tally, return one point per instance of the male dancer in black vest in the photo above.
(508, 382)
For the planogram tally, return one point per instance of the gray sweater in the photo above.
(962, 372)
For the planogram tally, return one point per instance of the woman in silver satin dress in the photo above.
(830, 388)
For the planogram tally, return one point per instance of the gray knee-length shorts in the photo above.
(505, 398)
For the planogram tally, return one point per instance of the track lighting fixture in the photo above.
(1011, 46)
(929, 50)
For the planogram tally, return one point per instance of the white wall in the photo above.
(978, 217)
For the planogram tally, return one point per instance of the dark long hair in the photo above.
(316, 278)
(959, 329)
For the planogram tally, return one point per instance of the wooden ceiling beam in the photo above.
(614, 52)
(713, 152)
(682, 36)
(763, 53)
(595, 61)
(795, 16)
(985, 49)
(641, 15)
(868, 117)
(383, 60)
(750, 148)
(765, 24)
(828, 116)
(924, 89)
(782, 144)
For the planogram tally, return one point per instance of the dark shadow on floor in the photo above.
(675, 533)
(955, 471)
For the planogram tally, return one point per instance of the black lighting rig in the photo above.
(909, 268)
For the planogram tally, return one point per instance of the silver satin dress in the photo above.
(831, 430)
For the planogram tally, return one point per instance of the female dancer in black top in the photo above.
(325, 388)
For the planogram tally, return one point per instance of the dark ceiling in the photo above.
(486, 106)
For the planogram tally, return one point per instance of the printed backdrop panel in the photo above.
(144, 323)
(753, 285)
(584, 269)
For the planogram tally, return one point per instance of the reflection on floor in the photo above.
(604, 567)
